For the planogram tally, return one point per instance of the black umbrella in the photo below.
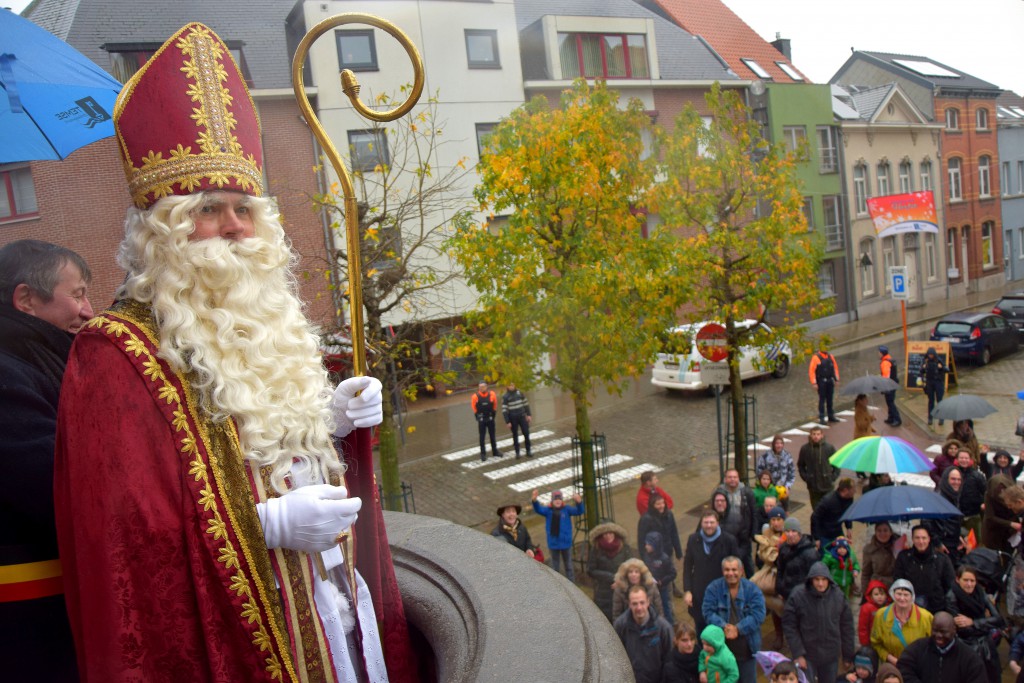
(962, 407)
(869, 384)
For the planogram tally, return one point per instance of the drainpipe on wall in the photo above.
(853, 314)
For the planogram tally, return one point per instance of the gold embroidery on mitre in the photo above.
(222, 160)
(227, 555)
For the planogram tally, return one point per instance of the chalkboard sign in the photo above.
(916, 351)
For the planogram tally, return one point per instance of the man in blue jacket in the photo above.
(737, 606)
(559, 528)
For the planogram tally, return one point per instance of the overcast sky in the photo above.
(981, 37)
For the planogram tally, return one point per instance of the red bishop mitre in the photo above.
(186, 123)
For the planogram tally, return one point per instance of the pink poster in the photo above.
(898, 213)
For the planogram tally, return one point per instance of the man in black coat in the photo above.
(972, 491)
(942, 658)
(825, 524)
(930, 572)
(702, 563)
(814, 466)
(818, 625)
(43, 302)
(646, 637)
(796, 557)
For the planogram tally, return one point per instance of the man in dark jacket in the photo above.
(516, 411)
(818, 625)
(823, 373)
(740, 518)
(972, 491)
(646, 637)
(931, 573)
(796, 557)
(942, 658)
(702, 563)
(814, 467)
(43, 303)
(933, 376)
(825, 524)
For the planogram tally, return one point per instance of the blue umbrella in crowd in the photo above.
(902, 503)
(54, 100)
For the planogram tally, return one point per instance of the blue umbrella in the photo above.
(54, 99)
(902, 503)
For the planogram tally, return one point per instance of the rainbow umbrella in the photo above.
(881, 454)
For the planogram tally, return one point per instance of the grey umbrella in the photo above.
(869, 384)
(962, 407)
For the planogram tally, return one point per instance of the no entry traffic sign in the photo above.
(711, 342)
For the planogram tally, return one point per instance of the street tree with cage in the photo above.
(743, 247)
(569, 272)
(407, 204)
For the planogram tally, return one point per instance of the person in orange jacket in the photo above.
(824, 375)
(485, 407)
(887, 368)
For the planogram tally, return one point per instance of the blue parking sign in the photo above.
(898, 282)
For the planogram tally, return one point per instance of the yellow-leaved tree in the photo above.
(743, 243)
(573, 287)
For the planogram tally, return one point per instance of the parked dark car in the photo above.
(1011, 307)
(976, 336)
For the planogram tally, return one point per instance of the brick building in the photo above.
(81, 202)
(966, 106)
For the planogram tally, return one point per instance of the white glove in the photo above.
(351, 411)
(309, 518)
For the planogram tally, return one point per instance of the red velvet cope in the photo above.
(373, 559)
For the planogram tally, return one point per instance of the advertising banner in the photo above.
(899, 213)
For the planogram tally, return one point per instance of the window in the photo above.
(1020, 243)
(127, 58)
(926, 175)
(888, 258)
(828, 155)
(981, 118)
(860, 188)
(832, 208)
(596, 55)
(951, 248)
(867, 267)
(482, 49)
(789, 71)
(795, 139)
(368, 149)
(483, 133)
(931, 257)
(952, 119)
(827, 280)
(988, 229)
(883, 178)
(1020, 177)
(809, 213)
(1004, 179)
(756, 68)
(906, 177)
(357, 49)
(955, 190)
(17, 193)
(985, 176)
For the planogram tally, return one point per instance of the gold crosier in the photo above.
(350, 86)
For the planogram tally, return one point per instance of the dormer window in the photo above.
(603, 55)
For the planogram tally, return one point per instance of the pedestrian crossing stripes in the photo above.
(504, 443)
(548, 451)
(560, 475)
(630, 474)
(531, 463)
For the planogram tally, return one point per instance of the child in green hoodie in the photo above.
(717, 661)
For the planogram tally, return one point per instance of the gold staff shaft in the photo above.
(350, 86)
